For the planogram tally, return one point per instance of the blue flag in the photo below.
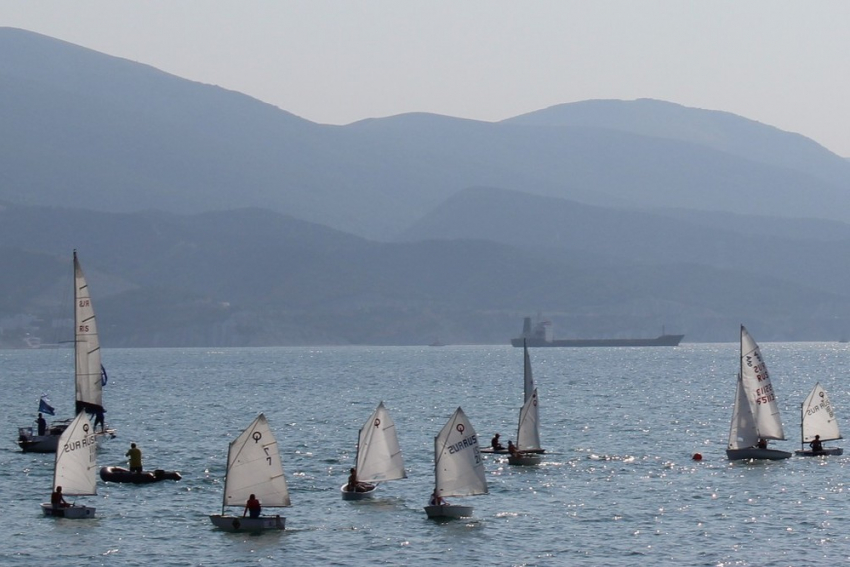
(44, 407)
(103, 377)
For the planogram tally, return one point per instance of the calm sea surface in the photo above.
(617, 487)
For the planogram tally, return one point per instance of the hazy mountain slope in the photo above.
(82, 129)
(789, 250)
(253, 277)
(722, 131)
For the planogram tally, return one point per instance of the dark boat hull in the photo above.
(118, 474)
(663, 340)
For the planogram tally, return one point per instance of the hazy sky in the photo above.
(779, 62)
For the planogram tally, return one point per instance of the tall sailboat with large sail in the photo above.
(817, 418)
(379, 456)
(458, 468)
(89, 375)
(755, 417)
(253, 468)
(74, 469)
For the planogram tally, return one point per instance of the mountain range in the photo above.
(207, 218)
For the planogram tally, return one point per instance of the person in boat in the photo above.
(42, 424)
(253, 507)
(98, 418)
(496, 444)
(436, 499)
(135, 455)
(57, 500)
(762, 443)
(514, 452)
(816, 445)
(354, 485)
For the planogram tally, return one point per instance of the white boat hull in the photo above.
(526, 460)
(448, 511)
(357, 495)
(755, 453)
(826, 451)
(73, 512)
(237, 524)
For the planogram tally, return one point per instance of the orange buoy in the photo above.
(697, 457)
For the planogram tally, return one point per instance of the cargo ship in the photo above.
(541, 336)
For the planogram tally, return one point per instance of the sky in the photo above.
(783, 63)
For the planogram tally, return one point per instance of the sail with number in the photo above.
(458, 467)
(528, 431)
(818, 417)
(756, 382)
(76, 459)
(88, 369)
(254, 467)
(378, 452)
(528, 377)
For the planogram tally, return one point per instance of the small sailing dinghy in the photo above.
(528, 435)
(818, 418)
(253, 467)
(755, 417)
(458, 468)
(528, 390)
(75, 468)
(89, 376)
(378, 456)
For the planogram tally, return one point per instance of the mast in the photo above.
(226, 476)
(76, 336)
(802, 432)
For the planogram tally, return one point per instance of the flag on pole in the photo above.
(45, 407)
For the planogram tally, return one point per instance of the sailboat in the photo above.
(378, 455)
(253, 467)
(74, 468)
(528, 435)
(755, 417)
(89, 376)
(458, 467)
(818, 418)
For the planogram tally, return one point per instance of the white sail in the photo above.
(378, 452)
(89, 387)
(529, 378)
(76, 459)
(458, 468)
(254, 467)
(742, 431)
(528, 430)
(818, 418)
(756, 381)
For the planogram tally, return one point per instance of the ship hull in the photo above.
(663, 340)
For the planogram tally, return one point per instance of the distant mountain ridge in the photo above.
(120, 136)
(204, 217)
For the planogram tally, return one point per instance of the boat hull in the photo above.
(39, 443)
(826, 451)
(755, 453)
(490, 451)
(118, 474)
(236, 524)
(527, 460)
(662, 340)
(48, 443)
(358, 494)
(448, 511)
(73, 512)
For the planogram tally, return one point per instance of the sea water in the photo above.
(618, 485)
